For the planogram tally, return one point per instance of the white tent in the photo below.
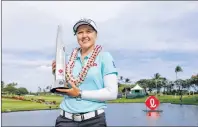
(137, 90)
(137, 87)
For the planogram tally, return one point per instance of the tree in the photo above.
(10, 89)
(2, 85)
(47, 88)
(22, 91)
(127, 80)
(144, 83)
(147, 84)
(178, 69)
(39, 89)
(156, 77)
(12, 84)
(119, 84)
(149, 90)
(170, 85)
(181, 84)
(121, 78)
(44, 91)
(164, 84)
(187, 84)
(194, 79)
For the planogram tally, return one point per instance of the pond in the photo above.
(122, 114)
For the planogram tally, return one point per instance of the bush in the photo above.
(54, 102)
(40, 100)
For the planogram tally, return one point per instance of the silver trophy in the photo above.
(59, 77)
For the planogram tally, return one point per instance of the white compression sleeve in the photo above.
(108, 93)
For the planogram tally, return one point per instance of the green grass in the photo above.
(58, 99)
(193, 100)
(18, 105)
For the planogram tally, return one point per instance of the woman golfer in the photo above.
(92, 78)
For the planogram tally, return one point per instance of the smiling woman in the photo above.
(91, 76)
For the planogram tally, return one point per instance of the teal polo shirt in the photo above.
(104, 64)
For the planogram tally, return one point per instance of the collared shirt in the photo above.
(104, 64)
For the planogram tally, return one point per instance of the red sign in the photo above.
(60, 71)
(152, 102)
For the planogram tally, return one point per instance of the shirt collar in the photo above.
(86, 57)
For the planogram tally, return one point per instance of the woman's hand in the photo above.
(74, 91)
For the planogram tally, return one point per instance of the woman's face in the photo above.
(86, 36)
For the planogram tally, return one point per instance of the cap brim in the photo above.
(81, 23)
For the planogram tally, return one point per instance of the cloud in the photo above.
(31, 78)
(136, 70)
(140, 24)
(154, 26)
(143, 37)
(71, 11)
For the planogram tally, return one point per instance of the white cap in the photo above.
(85, 21)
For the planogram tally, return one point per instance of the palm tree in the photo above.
(157, 76)
(120, 81)
(188, 84)
(178, 69)
(127, 80)
(170, 86)
(164, 84)
(121, 78)
(39, 89)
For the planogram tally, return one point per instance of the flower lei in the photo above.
(84, 70)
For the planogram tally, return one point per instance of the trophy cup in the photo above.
(59, 75)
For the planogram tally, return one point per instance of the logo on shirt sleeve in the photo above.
(113, 64)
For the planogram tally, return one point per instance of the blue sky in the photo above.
(143, 37)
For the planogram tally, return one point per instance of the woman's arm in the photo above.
(109, 92)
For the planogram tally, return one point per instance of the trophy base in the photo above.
(55, 91)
